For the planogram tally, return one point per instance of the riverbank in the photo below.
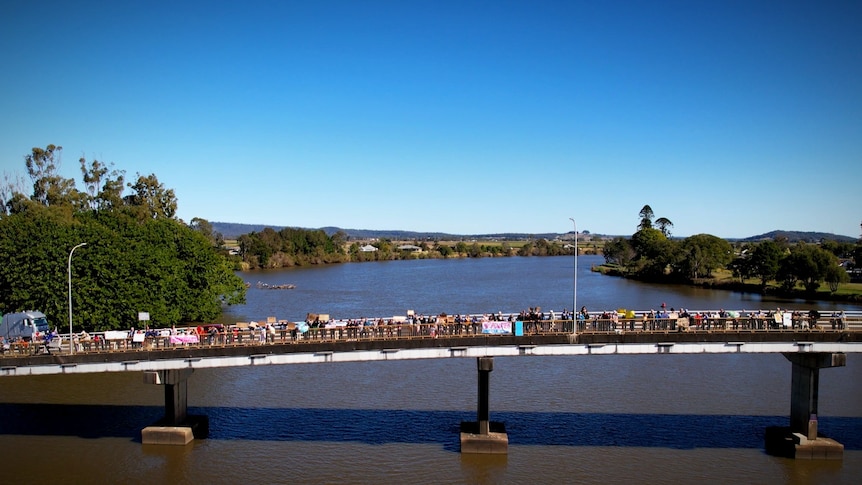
(847, 292)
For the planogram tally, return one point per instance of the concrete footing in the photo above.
(161, 433)
(495, 442)
(782, 441)
(166, 435)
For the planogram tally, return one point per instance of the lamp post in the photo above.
(575, 278)
(71, 337)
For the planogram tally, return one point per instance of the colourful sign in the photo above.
(496, 328)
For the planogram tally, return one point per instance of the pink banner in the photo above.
(184, 339)
(496, 328)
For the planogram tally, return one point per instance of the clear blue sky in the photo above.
(732, 118)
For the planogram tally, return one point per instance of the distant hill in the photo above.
(799, 236)
(231, 230)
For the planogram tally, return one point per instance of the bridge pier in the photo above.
(176, 427)
(800, 440)
(483, 435)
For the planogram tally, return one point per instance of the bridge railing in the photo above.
(444, 326)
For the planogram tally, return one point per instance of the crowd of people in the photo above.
(534, 321)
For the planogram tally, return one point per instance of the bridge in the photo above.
(169, 360)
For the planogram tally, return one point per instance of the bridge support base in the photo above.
(177, 427)
(801, 440)
(484, 436)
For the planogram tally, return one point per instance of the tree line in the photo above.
(650, 254)
(298, 247)
(138, 256)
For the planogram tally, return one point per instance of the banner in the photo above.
(116, 334)
(496, 328)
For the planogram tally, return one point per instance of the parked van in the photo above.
(27, 325)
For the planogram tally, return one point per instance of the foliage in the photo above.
(835, 275)
(619, 251)
(808, 264)
(649, 254)
(294, 246)
(138, 257)
(765, 261)
(702, 253)
(646, 214)
(838, 248)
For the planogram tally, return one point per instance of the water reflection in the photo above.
(379, 427)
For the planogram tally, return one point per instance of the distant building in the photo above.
(409, 247)
(367, 249)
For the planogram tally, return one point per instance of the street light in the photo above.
(71, 338)
(575, 289)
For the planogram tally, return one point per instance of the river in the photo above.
(597, 419)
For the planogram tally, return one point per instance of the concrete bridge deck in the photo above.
(287, 351)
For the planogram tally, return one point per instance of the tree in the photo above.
(664, 225)
(619, 251)
(702, 253)
(11, 187)
(806, 263)
(646, 214)
(339, 239)
(835, 275)
(104, 185)
(654, 253)
(443, 249)
(204, 227)
(765, 261)
(741, 268)
(648, 243)
(152, 197)
(461, 248)
(130, 264)
(160, 266)
(49, 188)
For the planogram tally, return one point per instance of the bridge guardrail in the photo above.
(440, 326)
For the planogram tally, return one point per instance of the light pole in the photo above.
(71, 337)
(575, 278)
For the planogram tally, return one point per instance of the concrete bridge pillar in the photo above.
(176, 427)
(176, 384)
(483, 414)
(805, 388)
(484, 436)
(801, 439)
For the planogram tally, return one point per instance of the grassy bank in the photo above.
(724, 280)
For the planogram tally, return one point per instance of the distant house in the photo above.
(409, 247)
(367, 249)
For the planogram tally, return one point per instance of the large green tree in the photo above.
(807, 263)
(654, 253)
(765, 261)
(700, 254)
(138, 257)
(646, 214)
(618, 251)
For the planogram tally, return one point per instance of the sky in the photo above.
(731, 118)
